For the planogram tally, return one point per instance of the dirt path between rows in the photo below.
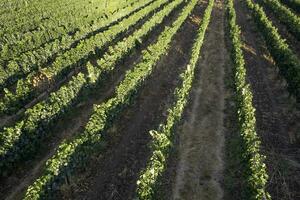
(15, 185)
(277, 118)
(282, 29)
(74, 121)
(70, 125)
(201, 137)
(114, 172)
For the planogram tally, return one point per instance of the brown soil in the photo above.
(114, 172)
(283, 31)
(66, 128)
(199, 167)
(204, 163)
(276, 114)
(74, 121)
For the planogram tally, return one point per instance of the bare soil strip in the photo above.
(74, 121)
(198, 169)
(276, 113)
(283, 31)
(113, 174)
(201, 137)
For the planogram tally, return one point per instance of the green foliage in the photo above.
(162, 138)
(285, 15)
(21, 140)
(41, 117)
(65, 62)
(73, 153)
(287, 62)
(91, 72)
(293, 4)
(254, 168)
(51, 26)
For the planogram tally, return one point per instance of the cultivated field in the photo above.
(150, 99)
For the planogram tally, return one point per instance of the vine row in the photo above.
(162, 137)
(253, 161)
(28, 88)
(72, 154)
(286, 60)
(22, 140)
(285, 15)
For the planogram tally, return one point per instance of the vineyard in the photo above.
(150, 99)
